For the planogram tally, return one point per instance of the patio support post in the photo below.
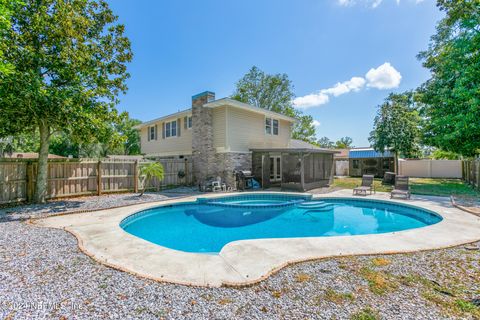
(302, 171)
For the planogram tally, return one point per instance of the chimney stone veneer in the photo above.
(203, 151)
(207, 163)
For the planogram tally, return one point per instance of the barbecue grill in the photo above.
(244, 179)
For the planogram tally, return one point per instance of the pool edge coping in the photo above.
(83, 242)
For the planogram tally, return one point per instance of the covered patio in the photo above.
(293, 169)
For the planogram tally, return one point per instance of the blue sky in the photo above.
(327, 48)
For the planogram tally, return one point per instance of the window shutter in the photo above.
(185, 123)
(163, 130)
(148, 133)
(156, 132)
(179, 125)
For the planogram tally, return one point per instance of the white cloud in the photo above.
(311, 100)
(316, 123)
(383, 77)
(369, 3)
(376, 3)
(345, 3)
(354, 84)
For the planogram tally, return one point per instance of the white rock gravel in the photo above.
(44, 275)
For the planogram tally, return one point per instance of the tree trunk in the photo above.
(42, 169)
(144, 186)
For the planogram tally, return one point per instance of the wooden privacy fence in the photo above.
(471, 172)
(77, 177)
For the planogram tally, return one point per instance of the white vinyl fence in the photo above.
(341, 167)
(427, 168)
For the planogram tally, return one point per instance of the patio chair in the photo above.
(367, 185)
(217, 185)
(401, 187)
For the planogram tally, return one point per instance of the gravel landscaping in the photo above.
(43, 274)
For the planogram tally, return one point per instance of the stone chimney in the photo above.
(202, 98)
(203, 151)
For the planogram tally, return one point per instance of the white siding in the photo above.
(219, 123)
(169, 146)
(246, 130)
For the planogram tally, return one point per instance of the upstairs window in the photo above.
(187, 122)
(275, 127)
(268, 125)
(171, 129)
(152, 134)
(271, 126)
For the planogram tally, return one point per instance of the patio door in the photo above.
(275, 168)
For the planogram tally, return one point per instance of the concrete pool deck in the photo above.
(248, 261)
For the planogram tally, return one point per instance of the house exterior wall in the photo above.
(219, 123)
(171, 146)
(246, 130)
(219, 141)
(228, 162)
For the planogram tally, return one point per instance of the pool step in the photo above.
(315, 205)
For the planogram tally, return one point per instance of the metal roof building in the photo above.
(368, 153)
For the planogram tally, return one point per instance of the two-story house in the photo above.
(221, 136)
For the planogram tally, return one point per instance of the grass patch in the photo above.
(381, 262)
(351, 182)
(442, 187)
(302, 277)
(379, 282)
(338, 297)
(224, 301)
(466, 306)
(424, 186)
(457, 307)
(365, 314)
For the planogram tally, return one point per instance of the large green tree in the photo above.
(275, 93)
(397, 126)
(325, 142)
(130, 144)
(7, 7)
(451, 97)
(344, 143)
(69, 59)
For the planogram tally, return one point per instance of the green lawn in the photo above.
(426, 186)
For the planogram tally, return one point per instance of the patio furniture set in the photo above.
(401, 187)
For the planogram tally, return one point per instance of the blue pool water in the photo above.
(208, 225)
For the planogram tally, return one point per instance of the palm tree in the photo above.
(149, 171)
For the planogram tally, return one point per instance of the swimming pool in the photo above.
(208, 224)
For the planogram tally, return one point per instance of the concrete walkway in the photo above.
(248, 261)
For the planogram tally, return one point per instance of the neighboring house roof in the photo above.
(368, 153)
(32, 155)
(342, 153)
(219, 103)
(245, 106)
